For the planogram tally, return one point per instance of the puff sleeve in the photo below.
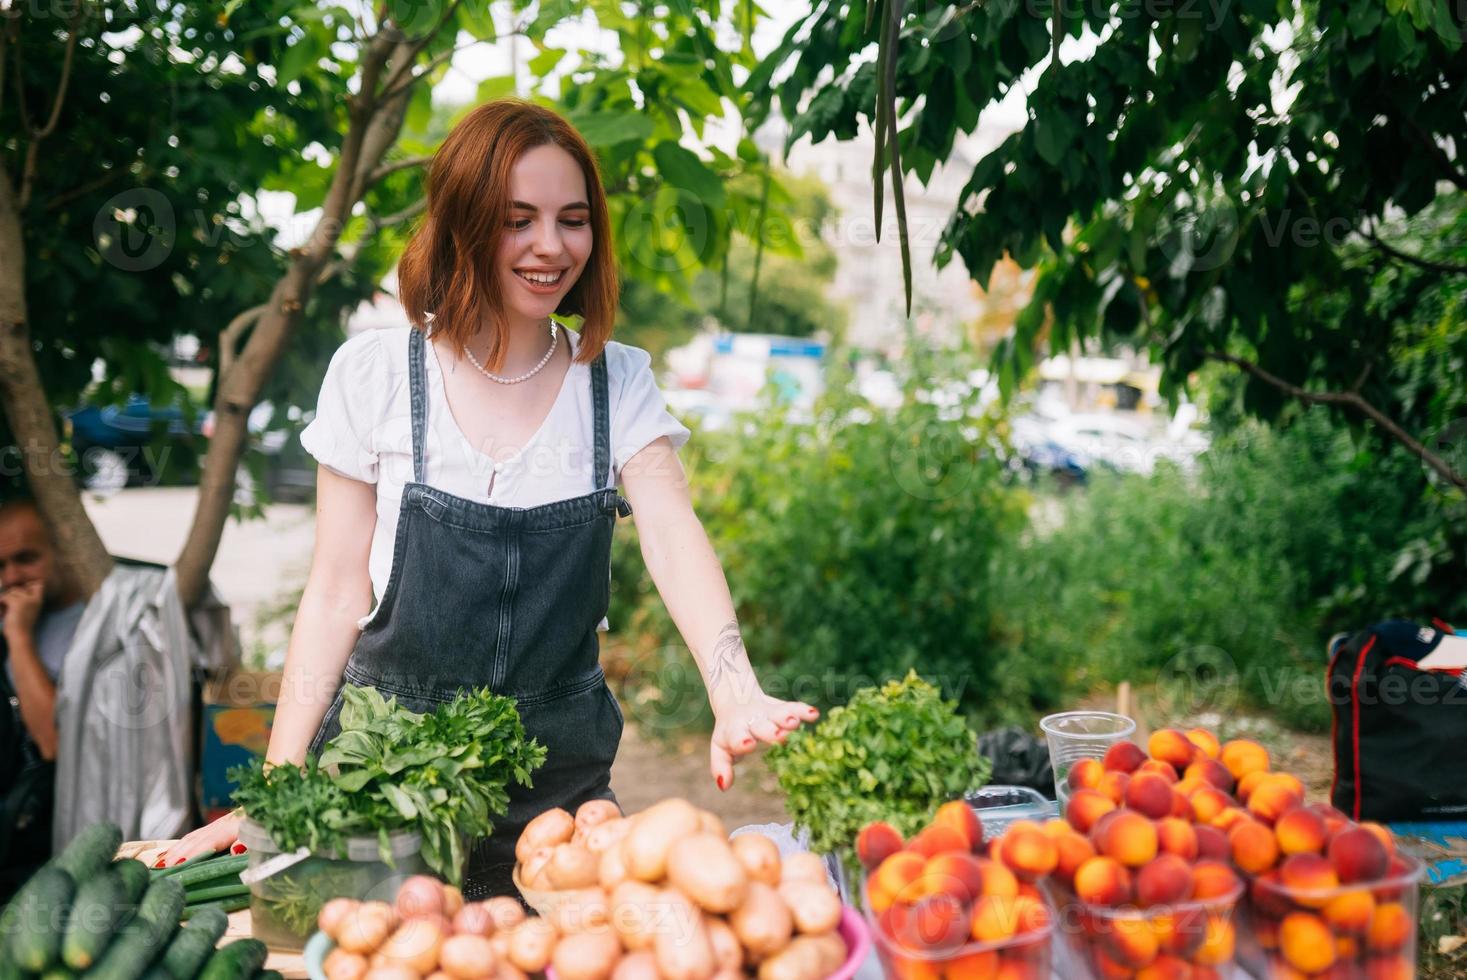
(639, 414)
(341, 435)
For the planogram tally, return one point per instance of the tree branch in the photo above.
(33, 148)
(393, 166)
(1431, 265)
(1352, 400)
(405, 67)
(414, 77)
(229, 336)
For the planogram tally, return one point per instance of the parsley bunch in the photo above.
(444, 774)
(894, 753)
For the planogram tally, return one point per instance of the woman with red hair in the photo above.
(469, 478)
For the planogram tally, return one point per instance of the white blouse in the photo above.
(362, 429)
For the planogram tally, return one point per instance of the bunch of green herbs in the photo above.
(893, 753)
(444, 774)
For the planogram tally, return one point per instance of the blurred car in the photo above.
(119, 446)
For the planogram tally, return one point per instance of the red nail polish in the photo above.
(162, 862)
(748, 741)
(180, 861)
(720, 782)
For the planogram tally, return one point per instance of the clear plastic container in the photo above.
(1171, 940)
(1076, 735)
(999, 806)
(284, 905)
(1365, 928)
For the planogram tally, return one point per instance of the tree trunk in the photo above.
(79, 549)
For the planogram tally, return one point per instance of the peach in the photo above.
(1097, 832)
(895, 880)
(1188, 785)
(876, 842)
(1301, 831)
(938, 925)
(1057, 827)
(1129, 838)
(1131, 941)
(998, 881)
(1029, 854)
(1166, 967)
(1103, 881)
(1334, 820)
(1254, 848)
(1211, 842)
(1242, 756)
(934, 840)
(1308, 872)
(1108, 969)
(1176, 836)
(1273, 796)
(1390, 968)
(1162, 769)
(1113, 785)
(959, 816)
(1358, 855)
(1149, 794)
(956, 874)
(1248, 783)
(1306, 942)
(982, 965)
(1219, 941)
(1030, 914)
(1204, 740)
(1179, 932)
(1123, 757)
(1172, 746)
(1182, 807)
(1212, 879)
(1389, 928)
(1382, 834)
(1010, 968)
(1207, 802)
(1211, 771)
(1350, 911)
(1267, 895)
(1085, 774)
(1164, 880)
(1073, 850)
(994, 919)
(1087, 806)
(1230, 818)
(915, 968)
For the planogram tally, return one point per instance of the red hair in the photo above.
(447, 268)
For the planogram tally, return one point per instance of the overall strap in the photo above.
(418, 388)
(601, 477)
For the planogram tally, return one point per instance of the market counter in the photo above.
(292, 965)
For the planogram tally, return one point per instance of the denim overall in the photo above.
(507, 598)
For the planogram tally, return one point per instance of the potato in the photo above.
(634, 912)
(804, 867)
(420, 897)
(530, 944)
(571, 866)
(759, 855)
(703, 867)
(800, 960)
(763, 923)
(499, 943)
(833, 952)
(532, 869)
(586, 956)
(473, 920)
(657, 829)
(366, 928)
(467, 958)
(641, 965)
(604, 835)
(439, 975)
(453, 900)
(386, 972)
(508, 971)
(815, 908)
(708, 823)
(414, 945)
(505, 911)
(680, 942)
(728, 953)
(612, 868)
(552, 827)
(581, 910)
(342, 965)
(593, 813)
(333, 913)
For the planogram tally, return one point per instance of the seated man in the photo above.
(39, 612)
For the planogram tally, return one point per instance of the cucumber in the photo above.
(40, 919)
(59, 973)
(147, 935)
(216, 893)
(269, 975)
(91, 850)
(95, 915)
(225, 905)
(227, 864)
(194, 943)
(134, 877)
(237, 961)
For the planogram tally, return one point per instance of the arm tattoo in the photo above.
(729, 655)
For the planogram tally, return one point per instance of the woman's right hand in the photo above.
(209, 839)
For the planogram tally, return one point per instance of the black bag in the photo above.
(27, 799)
(1399, 730)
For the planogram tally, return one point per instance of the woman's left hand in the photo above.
(742, 725)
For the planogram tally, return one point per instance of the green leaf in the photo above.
(681, 168)
(607, 129)
(495, 87)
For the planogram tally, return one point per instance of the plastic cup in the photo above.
(1076, 735)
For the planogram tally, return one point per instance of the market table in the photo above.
(292, 965)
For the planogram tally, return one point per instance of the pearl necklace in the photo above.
(554, 337)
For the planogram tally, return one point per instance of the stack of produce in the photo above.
(430, 931)
(665, 893)
(84, 913)
(940, 911)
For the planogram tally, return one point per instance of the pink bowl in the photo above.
(852, 929)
